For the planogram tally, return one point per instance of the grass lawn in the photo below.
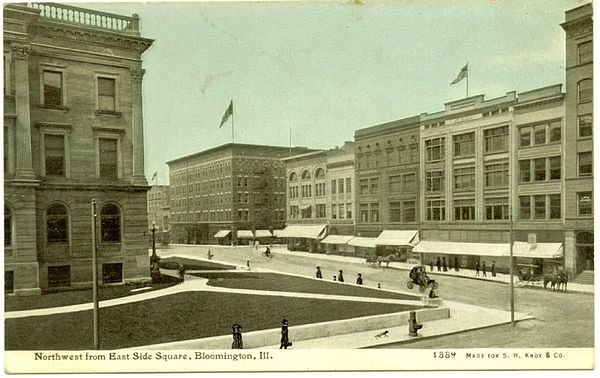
(190, 264)
(282, 282)
(67, 298)
(178, 317)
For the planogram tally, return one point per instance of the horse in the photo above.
(556, 281)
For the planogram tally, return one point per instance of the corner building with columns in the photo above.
(73, 132)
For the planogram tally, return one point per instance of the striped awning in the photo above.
(222, 233)
(245, 234)
(359, 241)
(263, 234)
(337, 239)
(398, 238)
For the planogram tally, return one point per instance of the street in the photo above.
(561, 319)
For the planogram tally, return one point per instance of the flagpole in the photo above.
(232, 126)
(467, 81)
(290, 140)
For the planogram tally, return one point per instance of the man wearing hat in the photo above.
(284, 335)
(237, 337)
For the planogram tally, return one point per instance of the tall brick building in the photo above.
(73, 132)
(228, 192)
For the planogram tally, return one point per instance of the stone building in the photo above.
(159, 205)
(227, 193)
(578, 157)
(73, 132)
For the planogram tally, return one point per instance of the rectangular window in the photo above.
(53, 88)
(408, 211)
(585, 164)
(59, 276)
(348, 185)
(539, 169)
(496, 140)
(333, 187)
(374, 212)
(333, 211)
(364, 187)
(341, 210)
(434, 149)
(341, 186)
(555, 206)
(584, 204)
(496, 175)
(395, 212)
(525, 137)
(349, 210)
(539, 134)
(374, 183)
(395, 184)
(464, 178)
(524, 207)
(464, 209)
(435, 181)
(585, 123)
(320, 207)
(108, 158)
(555, 131)
(436, 210)
(464, 144)
(585, 91)
(54, 154)
(107, 94)
(496, 208)
(409, 183)
(112, 273)
(585, 52)
(364, 212)
(539, 207)
(293, 212)
(524, 170)
(555, 167)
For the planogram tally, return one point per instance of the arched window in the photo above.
(585, 90)
(110, 223)
(7, 226)
(305, 175)
(57, 220)
(293, 177)
(320, 173)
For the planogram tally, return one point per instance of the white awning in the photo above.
(539, 250)
(337, 239)
(278, 233)
(304, 207)
(222, 233)
(456, 248)
(303, 231)
(359, 241)
(263, 234)
(398, 237)
(245, 234)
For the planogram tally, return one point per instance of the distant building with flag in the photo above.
(159, 209)
(232, 192)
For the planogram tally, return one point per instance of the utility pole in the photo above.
(95, 278)
(511, 263)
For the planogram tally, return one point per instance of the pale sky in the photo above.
(329, 68)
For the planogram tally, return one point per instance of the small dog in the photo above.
(382, 334)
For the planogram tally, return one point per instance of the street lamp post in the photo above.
(96, 322)
(154, 259)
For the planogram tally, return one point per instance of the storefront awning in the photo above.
(304, 207)
(457, 248)
(263, 234)
(245, 234)
(222, 233)
(359, 241)
(538, 251)
(337, 239)
(278, 233)
(303, 231)
(408, 238)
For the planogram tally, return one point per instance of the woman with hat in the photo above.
(237, 337)
(285, 341)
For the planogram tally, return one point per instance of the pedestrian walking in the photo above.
(483, 268)
(318, 274)
(477, 269)
(340, 277)
(438, 263)
(456, 264)
(359, 280)
(444, 265)
(285, 339)
(431, 265)
(237, 337)
(181, 271)
(334, 278)
(493, 268)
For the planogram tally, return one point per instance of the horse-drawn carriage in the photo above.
(528, 278)
(418, 277)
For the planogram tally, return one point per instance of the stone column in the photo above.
(24, 168)
(139, 176)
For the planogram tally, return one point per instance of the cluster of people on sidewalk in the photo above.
(339, 277)
(442, 265)
(238, 343)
